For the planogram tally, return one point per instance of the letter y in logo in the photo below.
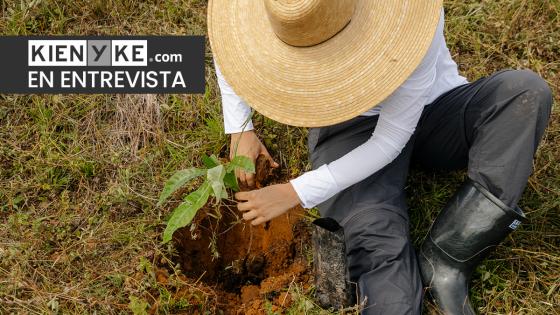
(99, 52)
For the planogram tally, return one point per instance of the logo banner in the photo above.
(102, 64)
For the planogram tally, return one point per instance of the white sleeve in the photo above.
(237, 114)
(395, 126)
(397, 122)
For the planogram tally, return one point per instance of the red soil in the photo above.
(254, 264)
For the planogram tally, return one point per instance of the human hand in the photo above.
(262, 205)
(248, 144)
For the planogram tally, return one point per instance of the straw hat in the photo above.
(314, 63)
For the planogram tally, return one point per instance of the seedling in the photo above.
(219, 178)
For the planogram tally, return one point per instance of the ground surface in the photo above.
(80, 177)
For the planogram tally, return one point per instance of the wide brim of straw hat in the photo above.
(328, 83)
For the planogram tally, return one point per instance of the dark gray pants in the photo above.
(492, 127)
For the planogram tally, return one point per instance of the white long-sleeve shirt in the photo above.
(398, 118)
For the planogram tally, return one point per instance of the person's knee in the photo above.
(533, 91)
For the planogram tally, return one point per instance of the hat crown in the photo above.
(308, 22)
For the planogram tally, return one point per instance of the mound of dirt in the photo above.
(245, 264)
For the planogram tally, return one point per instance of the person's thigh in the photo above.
(492, 126)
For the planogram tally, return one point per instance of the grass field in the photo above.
(80, 174)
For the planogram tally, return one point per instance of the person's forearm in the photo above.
(237, 114)
(321, 184)
(386, 143)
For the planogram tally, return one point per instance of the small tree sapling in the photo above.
(219, 178)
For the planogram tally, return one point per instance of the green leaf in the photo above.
(210, 161)
(185, 212)
(215, 177)
(241, 162)
(230, 180)
(177, 181)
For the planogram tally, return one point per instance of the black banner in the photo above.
(102, 64)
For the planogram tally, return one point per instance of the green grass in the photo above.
(79, 230)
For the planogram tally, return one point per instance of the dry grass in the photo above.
(137, 121)
(79, 231)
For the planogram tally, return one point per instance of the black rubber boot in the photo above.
(472, 223)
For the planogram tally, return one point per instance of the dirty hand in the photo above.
(249, 145)
(262, 205)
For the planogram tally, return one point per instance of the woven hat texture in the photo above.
(315, 63)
